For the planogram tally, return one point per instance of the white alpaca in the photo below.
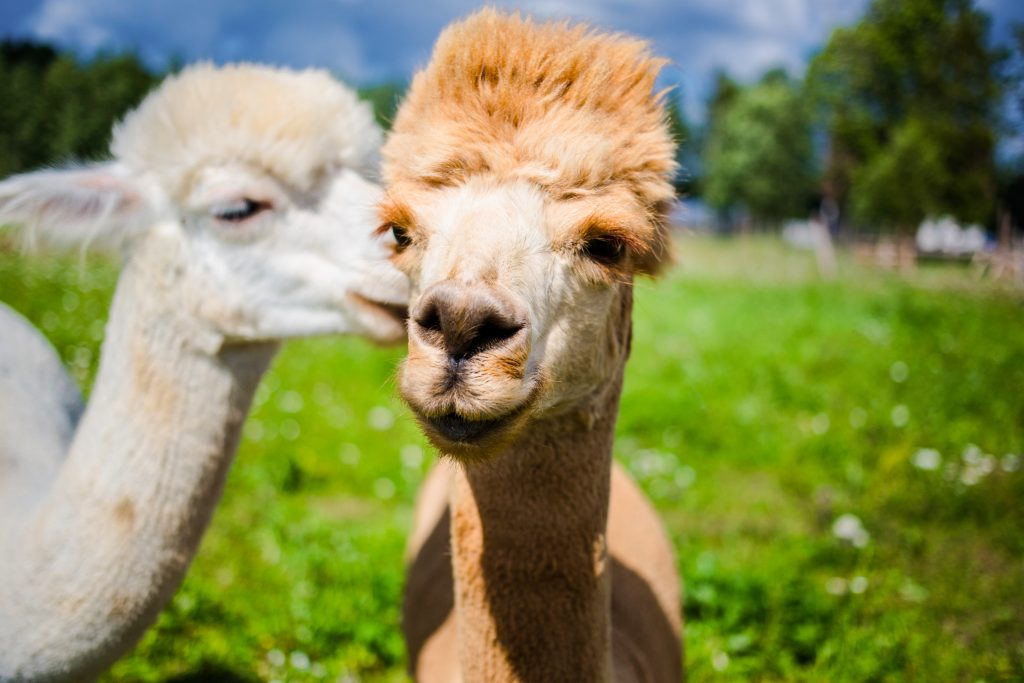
(238, 199)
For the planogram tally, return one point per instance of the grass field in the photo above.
(838, 464)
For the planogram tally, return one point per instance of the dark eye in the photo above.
(401, 236)
(605, 249)
(238, 210)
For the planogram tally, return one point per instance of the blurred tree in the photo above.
(1011, 173)
(896, 186)
(759, 152)
(687, 149)
(1016, 76)
(384, 98)
(912, 88)
(724, 94)
(56, 109)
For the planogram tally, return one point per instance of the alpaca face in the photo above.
(252, 259)
(520, 305)
(240, 189)
(275, 263)
(527, 175)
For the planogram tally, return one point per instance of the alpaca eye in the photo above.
(605, 249)
(401, 236)
(238, 210)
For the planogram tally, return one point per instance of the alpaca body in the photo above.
(645, 623)
(237, 199)
(39, 409)
(528, 172)
(137, 488)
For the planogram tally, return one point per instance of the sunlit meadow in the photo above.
(838, 464)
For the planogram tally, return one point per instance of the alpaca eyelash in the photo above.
(401, 235)
(604, 249)
(238, 210)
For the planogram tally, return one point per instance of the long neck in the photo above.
(91, 566)
(532, 584)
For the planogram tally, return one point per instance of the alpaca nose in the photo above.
(464, 320)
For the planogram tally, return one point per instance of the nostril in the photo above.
(430, 320)
(491, 332)
(464, 323)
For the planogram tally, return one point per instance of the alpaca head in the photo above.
(244, 191)
(527, 176)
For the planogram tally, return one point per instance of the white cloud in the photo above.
(60, 18)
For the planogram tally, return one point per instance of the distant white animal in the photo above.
(238, 197)
(944, 236)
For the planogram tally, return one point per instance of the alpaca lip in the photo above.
(458, 429)
(399, 312)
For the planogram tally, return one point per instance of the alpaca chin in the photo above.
(471, 441)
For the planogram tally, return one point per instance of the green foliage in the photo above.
(913, 77)
(760, 405)
(687, 145)
(57, 109)
(384, 98)
(895, 188)
(759, 153)
(1016, 75)
(722, 96)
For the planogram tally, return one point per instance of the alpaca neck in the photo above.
(532, 588)
(91, 565)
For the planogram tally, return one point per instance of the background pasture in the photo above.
(838, 464)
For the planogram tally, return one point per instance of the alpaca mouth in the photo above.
(384, 320)
(399, 312)
(463, 421)
(460, 430)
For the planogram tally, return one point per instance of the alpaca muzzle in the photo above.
(465, 377)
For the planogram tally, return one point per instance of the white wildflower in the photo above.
(927, 459)
(411, 455)
(849, 528)
(900, 415)
(972, 455)
(858, 584)
(820, 423)
(300, 660)
(381, 418)
(899, 372)
(290, 402)
(685, 476)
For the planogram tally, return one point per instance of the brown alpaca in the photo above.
(528, 171)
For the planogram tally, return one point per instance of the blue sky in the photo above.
(367, 41)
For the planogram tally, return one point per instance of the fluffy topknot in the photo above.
(296, 125)
(568, 107)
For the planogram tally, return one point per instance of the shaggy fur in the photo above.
(565, 107)
(296, 126)
(528, 170)
(236, 198)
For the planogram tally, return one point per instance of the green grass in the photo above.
(760, 405)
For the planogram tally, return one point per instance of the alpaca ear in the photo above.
(97, 204)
